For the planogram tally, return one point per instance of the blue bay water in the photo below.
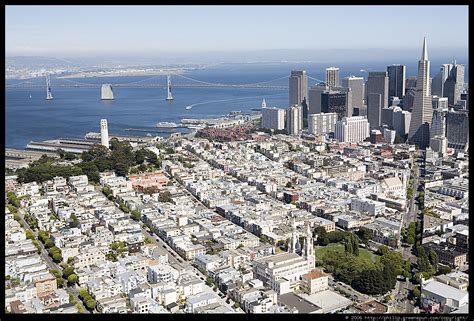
(76, 111)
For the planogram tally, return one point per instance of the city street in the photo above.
(50, 263)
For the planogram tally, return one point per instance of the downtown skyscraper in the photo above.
(422, 112)
(298, 93)
(396, 80)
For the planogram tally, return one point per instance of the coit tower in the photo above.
(104, 133)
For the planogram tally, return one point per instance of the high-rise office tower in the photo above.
(454, 84)
(104, 133)
(320, 124)
(352, 129)
(438, 122)
(387, 116)
(422, 112)
(377, 96)
(410, 83)
(396, 80)
(356, 84)
(294, 120)
(457, 129)
(315, 97)
(337, 101)
(439, 80)
(332, 77)
(273, 118)
(439, 102)
(401, 121)
(298, 92)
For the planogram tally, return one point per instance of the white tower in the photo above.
(106, 92)
(292, 247)
(308, 251)
(104, 133)
(49, 95)
(169, 97)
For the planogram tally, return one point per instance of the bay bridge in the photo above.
(146, 83)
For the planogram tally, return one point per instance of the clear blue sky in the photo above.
(50, 30)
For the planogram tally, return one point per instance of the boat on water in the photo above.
(189, 107)
(166, 124)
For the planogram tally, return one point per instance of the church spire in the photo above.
(424, 55)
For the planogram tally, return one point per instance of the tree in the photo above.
(444, 269)
(136, 215)
(68, 271)
(83, 293)
(382, 250)
(147, 240)
(72, 279)
(94, 152)
(48, 244)
(91, 303)
(91, 170)
(60, 282)
(29, 235)
(365, 235)
(56, 273)
(74, 221)
(417, 292)
(57, 257)
(165, 197)
(433, 257)
(13, 200)
(348, 246)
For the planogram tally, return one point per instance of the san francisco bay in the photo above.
(75, 111)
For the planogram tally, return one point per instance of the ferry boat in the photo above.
(189, 107)
(166, 124)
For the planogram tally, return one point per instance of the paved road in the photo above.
(403, 287)
(50, 263)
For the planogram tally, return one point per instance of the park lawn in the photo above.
(363, 253)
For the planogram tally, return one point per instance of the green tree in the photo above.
(365, 235)
(74, 221)
(12, 199)
(91, 170)
(433, 257)
(136, 215)
(94, 152)
(29, 235)
(72, 279)
(165, 197)
(443, 269)
(48, 244)
(90, 304)
(68, 271)
(60, 282)
(56, 273)
(83, 293)
(382, 250)
(417, 292)
(57, 257)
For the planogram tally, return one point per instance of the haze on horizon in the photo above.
(237, 33)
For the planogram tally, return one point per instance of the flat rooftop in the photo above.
(291, 300)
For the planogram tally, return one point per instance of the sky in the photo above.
(135, 30)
